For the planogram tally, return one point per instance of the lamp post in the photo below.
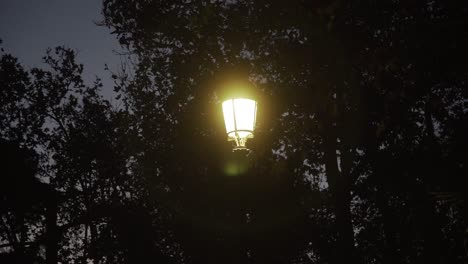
(239, 107)
(240, 114)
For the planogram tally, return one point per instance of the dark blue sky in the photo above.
(29, 27)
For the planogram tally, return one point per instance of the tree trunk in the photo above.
(390, 253)
(339, 187)
(52, 231)
(433, 246)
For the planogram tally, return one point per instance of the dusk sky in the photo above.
(29, 27)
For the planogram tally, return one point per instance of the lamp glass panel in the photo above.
(239, 115)
(228, 113)
(245, 115)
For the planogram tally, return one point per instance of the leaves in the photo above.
(358, 154)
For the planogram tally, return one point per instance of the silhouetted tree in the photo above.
(359, 154)
(352, 91)
(73, 200)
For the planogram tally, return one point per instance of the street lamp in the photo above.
(240, 113)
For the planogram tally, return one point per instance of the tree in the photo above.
(79, 176)
(347, 82)
(358, 155)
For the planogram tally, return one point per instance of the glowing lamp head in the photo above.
(239, 118)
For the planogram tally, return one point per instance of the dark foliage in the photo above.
(359, 154)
